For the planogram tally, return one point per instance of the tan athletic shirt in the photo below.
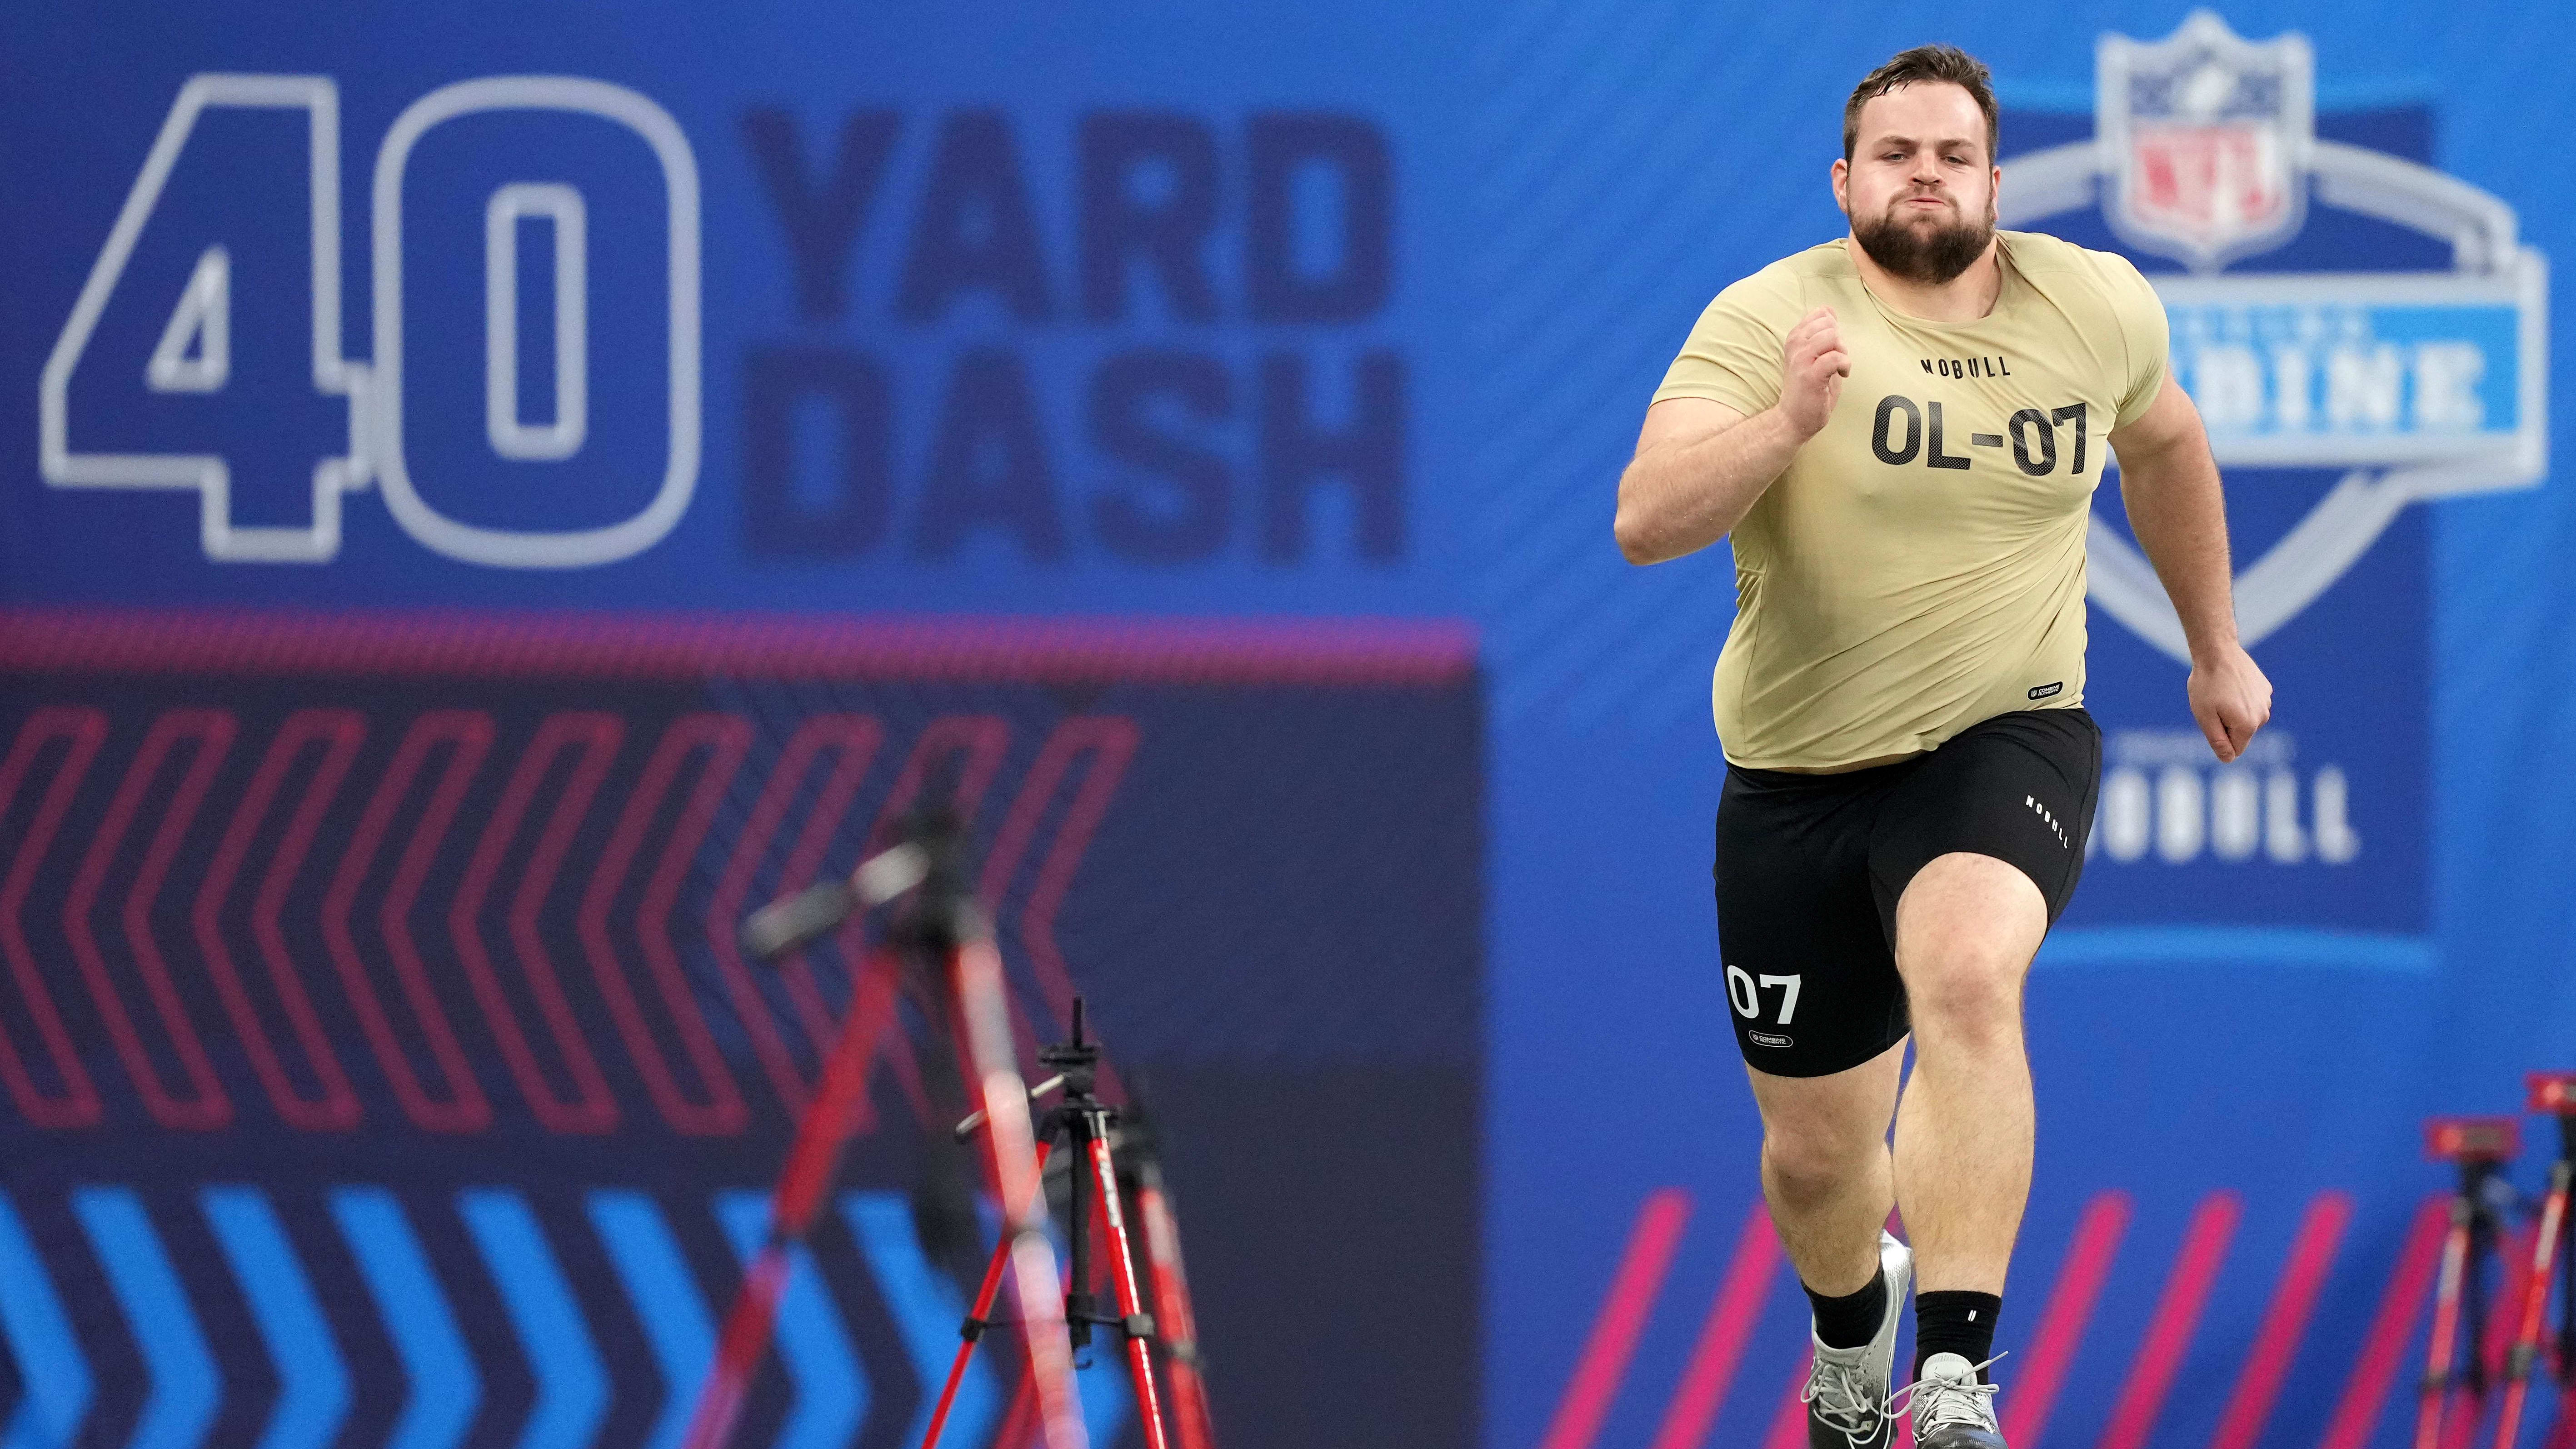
(1920, 565)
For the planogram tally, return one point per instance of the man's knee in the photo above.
(1809, 1164)
(1821, 1136)
(1966, 994)
(1966, 929)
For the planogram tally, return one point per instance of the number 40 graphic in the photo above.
(374, 388)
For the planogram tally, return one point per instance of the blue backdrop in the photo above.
(463, 320)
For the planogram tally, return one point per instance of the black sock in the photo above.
(1852, 1320)
(1960, 1323)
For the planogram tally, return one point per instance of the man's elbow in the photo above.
(1636, 545)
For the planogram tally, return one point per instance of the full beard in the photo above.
(1930, 256)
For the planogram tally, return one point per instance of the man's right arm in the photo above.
(1701, 465)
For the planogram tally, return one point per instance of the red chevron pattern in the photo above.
(851, 741)
(468, 737)
(204, 1105)
(421, 872)
(334, 1107)
(82, 732)
(591, 1107)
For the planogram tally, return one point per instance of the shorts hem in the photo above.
(1809, 1070)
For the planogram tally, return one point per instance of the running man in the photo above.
(1902, 431)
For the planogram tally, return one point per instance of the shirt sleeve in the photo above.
(2141, 316)
(1733, 355)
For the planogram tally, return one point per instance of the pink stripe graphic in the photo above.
(2365, 1396)
(1789, 1425)
(2195, 1272)
(2285, 1323)
(1720, 1349)
(1632, 1293)
(2062, 1323)
(687, 646)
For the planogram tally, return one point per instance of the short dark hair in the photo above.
(1947, 64)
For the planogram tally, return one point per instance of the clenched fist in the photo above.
(2230, 699)
(1813, 366)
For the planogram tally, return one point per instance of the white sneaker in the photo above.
(1847, 1388)
(1951, 1409)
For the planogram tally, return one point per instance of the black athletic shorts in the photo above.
(1809, 868)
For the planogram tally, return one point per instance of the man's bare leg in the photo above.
(1825, 1167)
(1828, 1178)
(1966, 929)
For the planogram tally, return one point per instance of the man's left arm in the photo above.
(2169, 483)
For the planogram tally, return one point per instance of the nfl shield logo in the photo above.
(2207, 136)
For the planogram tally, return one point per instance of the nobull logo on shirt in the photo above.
(2359, 332)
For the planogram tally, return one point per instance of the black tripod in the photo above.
(947, 938)
(2555, 1094)
(1086, 1124)
(2480, 1147)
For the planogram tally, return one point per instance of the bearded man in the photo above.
(1902, 431)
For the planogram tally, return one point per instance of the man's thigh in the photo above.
(1809, 974)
